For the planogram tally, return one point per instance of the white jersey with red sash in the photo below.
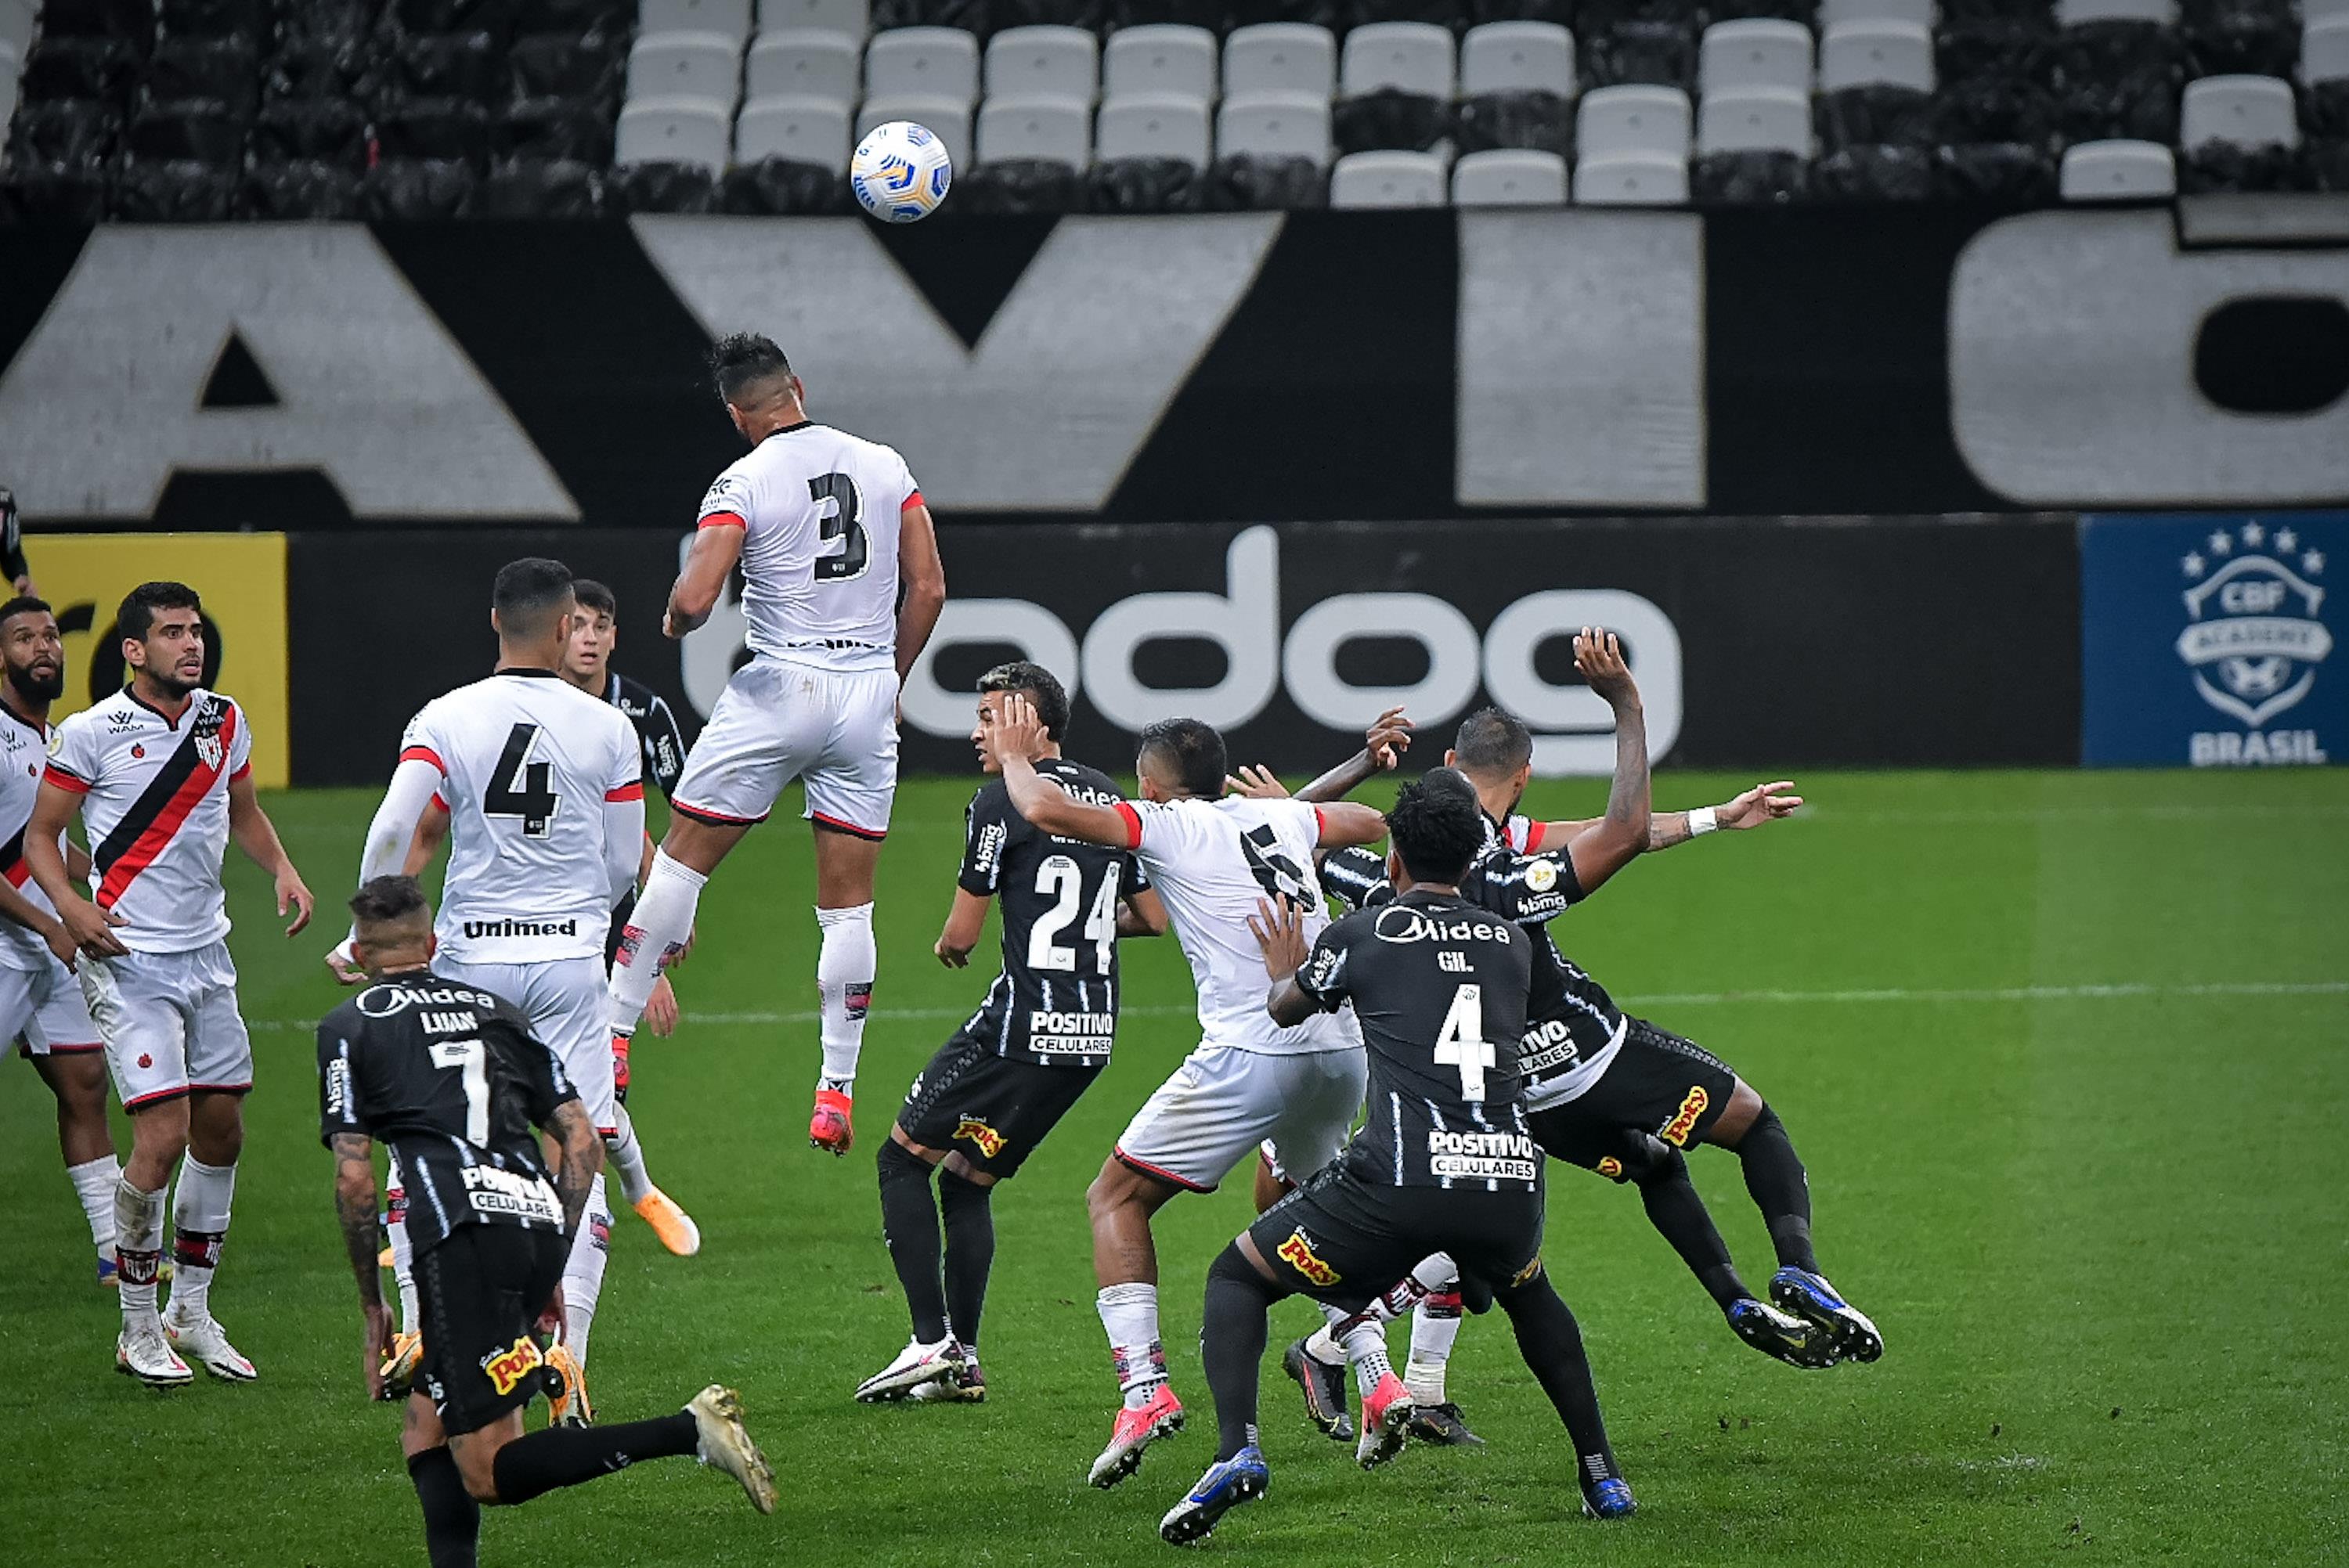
(154, 790)
(24, 750)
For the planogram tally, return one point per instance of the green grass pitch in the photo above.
(2067, 1055)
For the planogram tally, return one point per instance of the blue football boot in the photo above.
(1227, 1484)
(1807, 1295)
(1608, 1499)
(1796, 1341)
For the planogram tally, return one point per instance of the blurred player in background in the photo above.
(160, 773)
(1017, 1066)
(842, 586)
(13, 564)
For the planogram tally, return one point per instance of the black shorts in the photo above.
(480, 1290)
(991, 1110)
(1659, 1085)
(1342, 1239)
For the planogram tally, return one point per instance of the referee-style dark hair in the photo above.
(139, 606)
(1041, 688)
(1189, 752)
(527, 592)
(1436, 827)
(593, 596)
(24, 605)
(1492, 743)
(387, 901)
(743, 360)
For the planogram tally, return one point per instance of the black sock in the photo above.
(1232, 1333)
(971, 1252)
(1774, 1174)
(452, 1520)
(1551, 1343)
(1681, 1217)
(909, 1223)
(566, 1456)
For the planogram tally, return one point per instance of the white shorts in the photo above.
(564, 999)
(170, 1023)
(777, 721)
(45, 1007)
(1223, 1101)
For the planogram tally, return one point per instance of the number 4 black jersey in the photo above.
(1056, 1000)
(1439, 986)
(451, 1077)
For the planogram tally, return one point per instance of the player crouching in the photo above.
(451, 1076)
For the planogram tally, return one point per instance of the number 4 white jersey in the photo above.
(819, 510)
(530, 766)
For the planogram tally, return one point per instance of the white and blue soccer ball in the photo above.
(900, 171)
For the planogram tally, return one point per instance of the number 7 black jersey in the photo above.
(1439, 987)
(1056, 1001)
(452, 1080)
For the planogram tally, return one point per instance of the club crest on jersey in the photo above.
(209, 750)
(1297, 1252)
(1612, 1168)
(506, 1369)
(1684, 1122)
(990, 1142)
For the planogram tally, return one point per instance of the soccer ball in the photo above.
(900, 171)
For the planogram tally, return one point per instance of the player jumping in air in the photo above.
(161, 775)
(842, 585)
(1018, 1065)
(1444, 1161)
(451, 1076)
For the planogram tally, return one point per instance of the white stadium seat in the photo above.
(1031, 63)
(946, 119)
(803, 129)
(1387, 179)
(16, 28)
(802, 63)
(1509, 177)
(730, 18)
(2324, 50)
(1633, 119)
(2072, 12)
(673, 131)
(1280, 58)
(1154, 125)
(1056, 130)
(1758, 52)
(2317, 11)
(1870, 54)
(2118, 171)
(2239, 111)
(1517, 56)
(923, 62)
(1634, 178)
(1832, 12)
(1754, 119)
(705, 66)
(1410, 57)
(1273, 124)
(1160, 61)
(851, 19)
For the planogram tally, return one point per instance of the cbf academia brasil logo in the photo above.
(2254, 642)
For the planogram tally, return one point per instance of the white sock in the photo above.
(1434, 1327)
(582, 1273)
(1366, 1348)
(623, 1154)
(654, 935)
(403, 1256)
(94, 1181)
(1323, 1345)
(138, 1246)
(199, 1210)
(1129, 1315)
(844, 984)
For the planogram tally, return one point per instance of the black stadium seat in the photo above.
(781, 186)
(1638, 53)
(1215, 15)
(329, 131)
(1748, 178)
(452, 65)
(226, 71)
(71, 67)
(299, 190)
(1875, 173)
(1145, 185)
(582, 69)
(248, 19)
(1878, 114)
(2117, 79)
(661, 188)
(1023, 185)
(52, 192)
(67, 132)
(318, 68)
(1521, 118)
(332, 21)
(541, 188)
(187, 131)
(1248, 184)
(435, 130)
(2239, 37)
(549, 130)
(170, 192)
(415, 188)
(97, 18)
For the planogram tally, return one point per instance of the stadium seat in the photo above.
(1035, 129)
(1280, 58)
(2118, 171)
(704, 65)
(802, 63)
(849, 18)
(728, 18)
(435, 130)
(1633, 178)
(559, 65)
(185, 132)
(69, 68)
(1760, 53)
(946, 119)
(17, 29)
(932, 62)
(2076, 12)
(2238, 112)
(2324, 50)
(1876, 54)
(1640, 54)
(803, 129)
(457, 65)
(1413, 58)
(1632, 120)
(1388, 178)
(775, 186)
(551, 131)
(1754, 119)
(1509, 177)
(1834, 13)
(1517, 56)
(1273, 124)
(688, 132)
(1159, 61)
(1030, 64)
(1154, 125)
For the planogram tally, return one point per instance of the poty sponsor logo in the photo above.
(506, 1369)
(1297, 1252)
(990, 1142)
(1684, 1122)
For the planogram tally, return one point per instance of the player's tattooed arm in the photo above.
(354, 1211)
(581, 1157)
(1608, 845)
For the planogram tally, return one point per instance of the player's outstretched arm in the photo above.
(91, 928)
(257, 835)
(355, 1212)
(1668, 830)
(1383, 744)
(965, 923)
(924, 577)
(1608, 845)
(1019, 738)
(1142, 914)
(1345, 825)
(717, 547)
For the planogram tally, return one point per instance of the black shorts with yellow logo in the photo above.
(481, 1292)
(1343, 1238)
(989, 1108)
(1659, 1085)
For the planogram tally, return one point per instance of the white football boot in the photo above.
(143, 1352)
(917, 1366)
(203, 1341)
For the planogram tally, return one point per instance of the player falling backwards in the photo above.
(1444, 1161)
(842, 585)
(537, 788)
(161, 775)
(1251, 1080)
(450, 1075)
(1018, 1064)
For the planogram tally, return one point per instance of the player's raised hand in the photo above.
(1763, 803)
(660, 1008)
(1018, 732)
(292, 894)
(1278, 928)
(345, 962)
(1600, 656)
(375, 1345)
(1257, 783)
(1388, 737)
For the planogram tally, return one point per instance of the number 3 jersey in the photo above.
(528, 765)
(1056, 1001)
(453, 1080)
(1439, 986)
